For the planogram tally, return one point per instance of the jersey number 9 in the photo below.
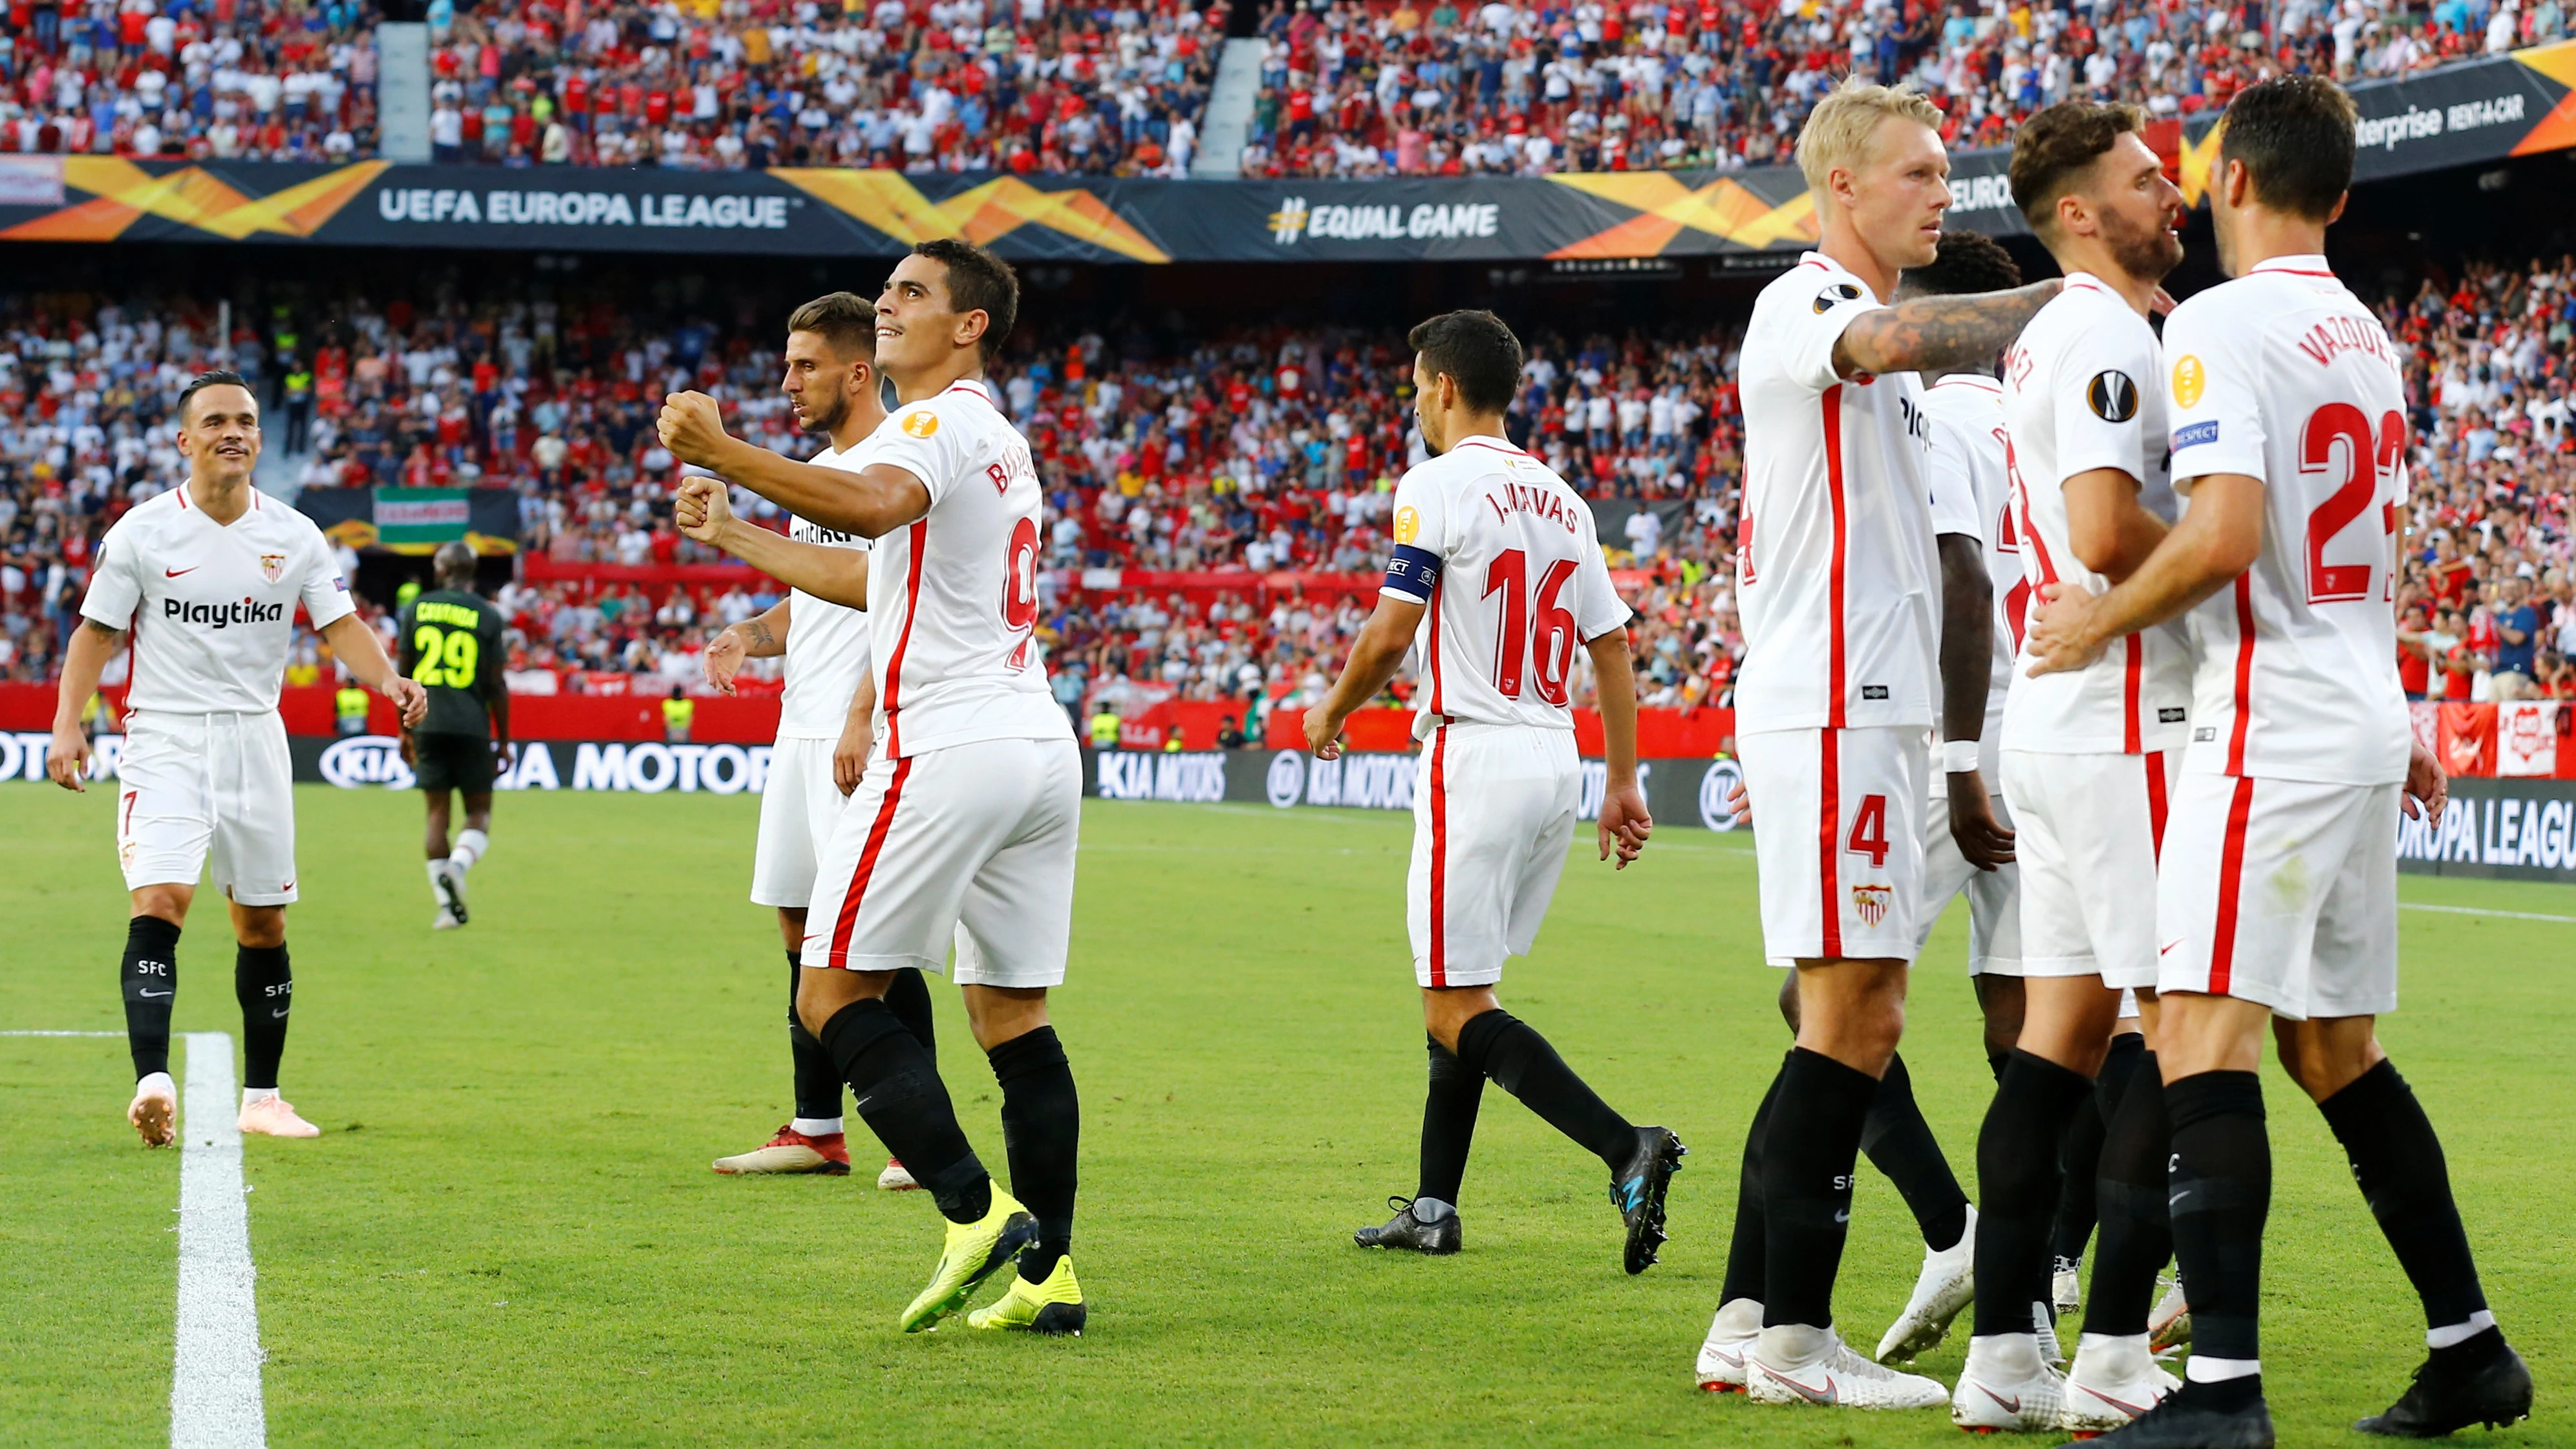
(446, 657)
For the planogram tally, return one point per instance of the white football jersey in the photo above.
(2284, 376)
(1835, 575)
(212, 606)
(2084, 389)
(827, 643)
(1506, 556)
(1966, 458)
(953, 597)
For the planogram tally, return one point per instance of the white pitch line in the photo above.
(2482, 911)
(61, 1033)
(214, 1381)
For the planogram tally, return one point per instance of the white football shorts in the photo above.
(1838, 840)
(798, 805)
(1493, 816)
(2087, 830)
(2282, 892)
(1994, 896)
(208, 795)
(971, 845)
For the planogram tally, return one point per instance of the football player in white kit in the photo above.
(2089, 758)
(963, 829)
(1496, 577)
(210, 573)
(2276, 902)
(825, 724)
(1838, 584)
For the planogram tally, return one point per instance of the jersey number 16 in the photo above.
(1540, 633)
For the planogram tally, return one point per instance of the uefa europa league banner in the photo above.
(2474, 112)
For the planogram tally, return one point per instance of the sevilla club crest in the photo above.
(272, 566)
(1869, 902)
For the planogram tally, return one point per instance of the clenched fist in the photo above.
(692, 427)
(701, 509)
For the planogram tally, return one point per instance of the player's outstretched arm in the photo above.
(1930, 334)
(762, 636)
(1967, 653)
(2218, 538)
(67, 758)
(872, 502)
(1625, 823)
(356, 645)
(835, 575)
(1375, 656)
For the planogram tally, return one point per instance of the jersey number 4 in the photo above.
(2366, 463)
(447, 656)
(1542, 636)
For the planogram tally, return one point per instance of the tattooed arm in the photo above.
(1931, 334)
(762, 636)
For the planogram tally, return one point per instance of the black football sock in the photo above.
(2017, 1183)
(1807, 1158)
(1900, 1144)
(908, 997)
(1042, 1133)
(1745, 1247)
(1503, 1047)
(2079, 1158)
(2398, 1163)
(1448, 1124)
(2136, 1233)
(818, 1081)
(2221, 1193)
(150, 977)
(899, 1094)
(265, 986)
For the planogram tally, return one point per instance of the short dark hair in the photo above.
(978, 281)
(216, 377)
(845, 320)
(2057, 145)
(1967, 261)
(2294, 134)
(1476, 350)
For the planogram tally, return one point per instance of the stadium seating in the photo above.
(1215, 514)
(1351, 87)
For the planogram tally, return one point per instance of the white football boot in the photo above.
(2051, 1351)
(2114, 1380)
(1946, 1285)
(2169, 1325)
(2007, 1387)
(1730, 1338)
(1792, 1363)
(2065, 1288)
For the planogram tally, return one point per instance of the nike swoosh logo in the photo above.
(1828, 1395)
(2167, 947)
(277, 1016)
(2009, 1406)
(1731, 1360)
(174, 573)
(1842, 1215)
(2132, 1410)
(150, 994)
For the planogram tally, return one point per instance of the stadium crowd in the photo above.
(1349, 87)
(1246, 478)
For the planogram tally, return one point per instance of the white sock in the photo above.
(470, 845)
(817, 1126)
(158, 1083)
(2202, 1369)
(2104, 1342)
(2454, 1334)
(435, 893)
(257, 1094)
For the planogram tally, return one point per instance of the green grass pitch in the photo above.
(508, 1233)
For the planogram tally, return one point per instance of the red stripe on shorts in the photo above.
(1829, 841)
(2231, 873)
(867, 866)
(920, 539)
(2132, 737)
(2156, 799)
(1439, 855)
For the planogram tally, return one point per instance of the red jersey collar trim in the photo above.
(2307, 266)
(1978, 381)
(973, 385)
